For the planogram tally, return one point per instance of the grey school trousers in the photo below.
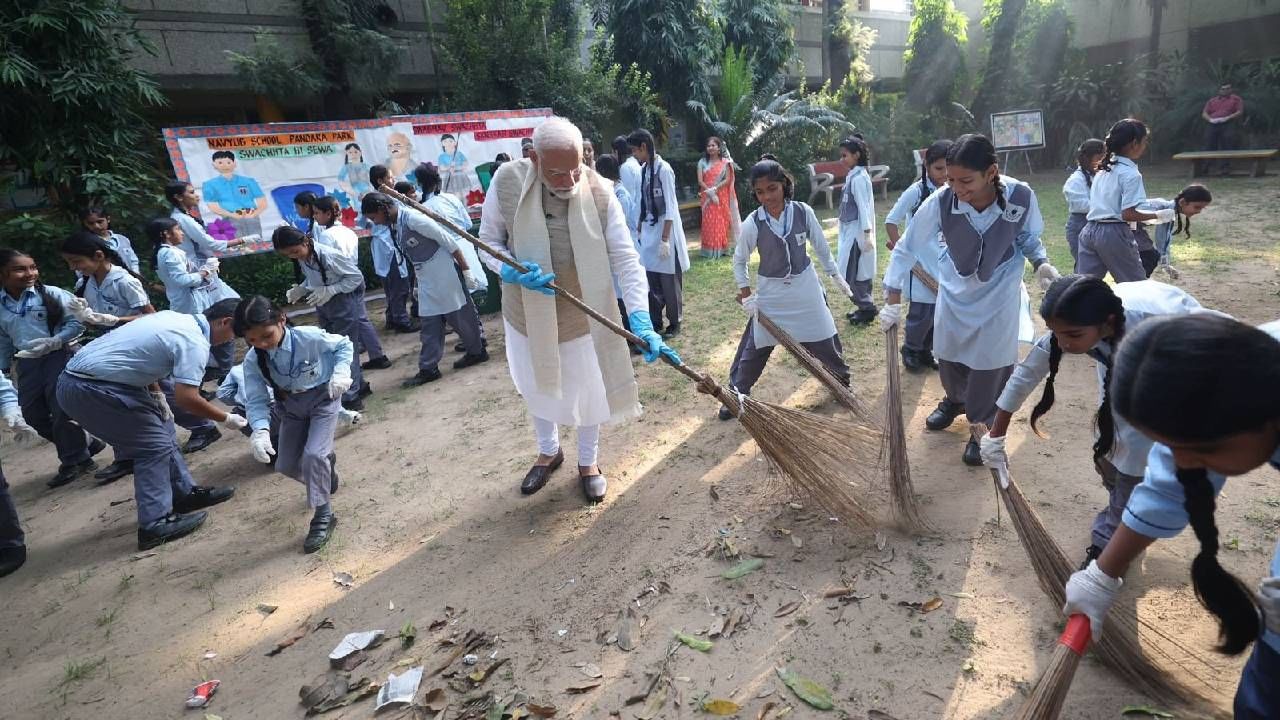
(465, 321)
(397, 288)
(977, 390)
(1075, 223)
(127, 418)
(917, 334)
(861, 288)
(666, 291)
(1120, 487)
(750, 360)
(369, 337)
(37, 383)
(1109, 247)
(308, 422)
(10, 528)
(341, 316)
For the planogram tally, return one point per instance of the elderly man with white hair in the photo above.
(562, 221)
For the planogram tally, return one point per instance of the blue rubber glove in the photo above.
(642, 325)
(534, 280)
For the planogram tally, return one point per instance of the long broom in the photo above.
(811, 452)
(816, 368)
(1120, 647)
(902, 493)
(1050, 692)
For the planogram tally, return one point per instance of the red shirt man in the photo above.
(1223, 107)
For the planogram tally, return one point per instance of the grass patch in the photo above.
(74, 673)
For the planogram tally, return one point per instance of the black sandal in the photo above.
(536, 478)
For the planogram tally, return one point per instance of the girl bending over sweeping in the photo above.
(1206, 389)
(1172, 217)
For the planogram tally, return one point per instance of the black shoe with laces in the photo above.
(422, 378)
(169, 527)
(468, 360)
(202, 496)
(71, 473)
(201, 440)
(972, 453)
(114, 471)
(912, 361)
(945, 414)
(378, 363)
(11, 559)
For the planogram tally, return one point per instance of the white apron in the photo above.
(797, 304)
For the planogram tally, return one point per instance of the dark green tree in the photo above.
(935, 66)
(763, 29)
(676, 41)
(1001, 21)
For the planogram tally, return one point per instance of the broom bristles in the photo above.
(816, 368)
(1120, 647)
(1050, 692)
(902, 493)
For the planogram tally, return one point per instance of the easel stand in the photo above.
(1006, 164)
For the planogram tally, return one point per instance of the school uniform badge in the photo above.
(802, 238)
(1014, 213)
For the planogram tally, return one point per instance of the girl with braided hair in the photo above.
(1173, 217)
(978, 231)
(1107, 242)
(1077, 188)
(1088, 317)
(661, 234)
(1206, 389)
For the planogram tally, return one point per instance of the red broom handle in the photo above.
(1077, 635)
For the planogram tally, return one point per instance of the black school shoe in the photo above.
(972, 454)
(468, 360)
(378, 363)
(356, 405)
(322, 525)
(201, 440)
(365, 389)
(202, 496)
(945, 414)
(168, 528)
(671, 331)
(862, 317)
(412, 327)
(594, 487)
(96, 446)
(536, 478)
(422, 378)
(71, 473)
(114, 471)
(462, 347)
(913, 361)
(11, 559)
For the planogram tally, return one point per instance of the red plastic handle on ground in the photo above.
(1077, 635)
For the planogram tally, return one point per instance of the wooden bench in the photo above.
(1259, 158)
(824, 176)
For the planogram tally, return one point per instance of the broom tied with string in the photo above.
(811, 452)
(1120, 647)
(905, 504)
(1050, 692)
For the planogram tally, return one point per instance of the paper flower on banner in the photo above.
(222, 229)
(344, 200)
(349, 216)
(475, 197)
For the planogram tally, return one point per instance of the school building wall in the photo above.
(1225, 30)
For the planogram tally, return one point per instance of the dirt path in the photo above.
(434, 529)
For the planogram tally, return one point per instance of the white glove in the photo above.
(349, 417)
(296, 293)
(864, 242)
(1091, 592)
(235, 422)
(162, 404)
(992, 451)
(749, 304)
(104, 319)
(664, 249)
(890, 316)
(260, 440)
(1269, 601)
(1167, 215)
(472, 283)
(211, 266)
(320, 296)
(23, 434)
(79, 308)
(338, 385)
(1047, 273)
(39, 347)
(843, 285)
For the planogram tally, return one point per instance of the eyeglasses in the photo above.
(574, 174)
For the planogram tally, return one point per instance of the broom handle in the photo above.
(924, 277)
(570, 297)
(1076, 636)
(1000, 475)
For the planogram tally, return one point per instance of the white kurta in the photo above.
(858, 184)
(651, 232)
(452, 209)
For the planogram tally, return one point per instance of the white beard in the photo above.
(562, 194)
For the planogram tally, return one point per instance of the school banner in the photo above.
(247, 175)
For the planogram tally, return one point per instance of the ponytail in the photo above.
(1046, 399)
(1190, 193)
(1087, 149)
(1120, 136)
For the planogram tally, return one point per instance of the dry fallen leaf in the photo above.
(591, 671)
(931, 605)
(764, 711)
(720, 707)
(582, 688)
(542, 710)
(787, 609)
(434, 700)
(343, 578)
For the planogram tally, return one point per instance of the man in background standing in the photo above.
(1222, 112)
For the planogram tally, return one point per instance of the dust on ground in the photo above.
(434, 533)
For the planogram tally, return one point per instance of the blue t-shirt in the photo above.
(231, 194)
(148, 349)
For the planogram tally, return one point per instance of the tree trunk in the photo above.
(1153, 43)
(837, 45)
(995, 76)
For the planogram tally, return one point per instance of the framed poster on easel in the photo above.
(1017, 131)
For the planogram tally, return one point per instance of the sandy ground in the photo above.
(435, 533)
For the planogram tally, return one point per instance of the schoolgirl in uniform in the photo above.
(1077, 188)
(200, 247)
(1172, 217)
(97, 220)
(111, 388)
(13, 545)
(326, 212)
(1107, 243)
(981, 229)
(232, 394)
(917, 336)
(304, 204)
(662, 245)
(331, 283)
(1088, 317)
(390, 265)
(441, 269)
(857, 250)
(37, 337)
(788, 290)
(1228, 425)
(451, 208)
(306, 370)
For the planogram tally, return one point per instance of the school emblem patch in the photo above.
(1014, 213)
(411, 241)
(802, 238)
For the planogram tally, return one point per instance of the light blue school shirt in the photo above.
(985, 316)
(1116, 190)
(305, 359)
(900, 215)
(1141, 300)
(1076, 190)
(147, 350)
(237, 192)
(1162, 233)
(26, 319)
(1156, 507)
(383, 250)
(119, 293)
(341, 274)
(189, 291)
(124, 248)
(630, 210)
(629, 175)
(8, 395)
(197, 243)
